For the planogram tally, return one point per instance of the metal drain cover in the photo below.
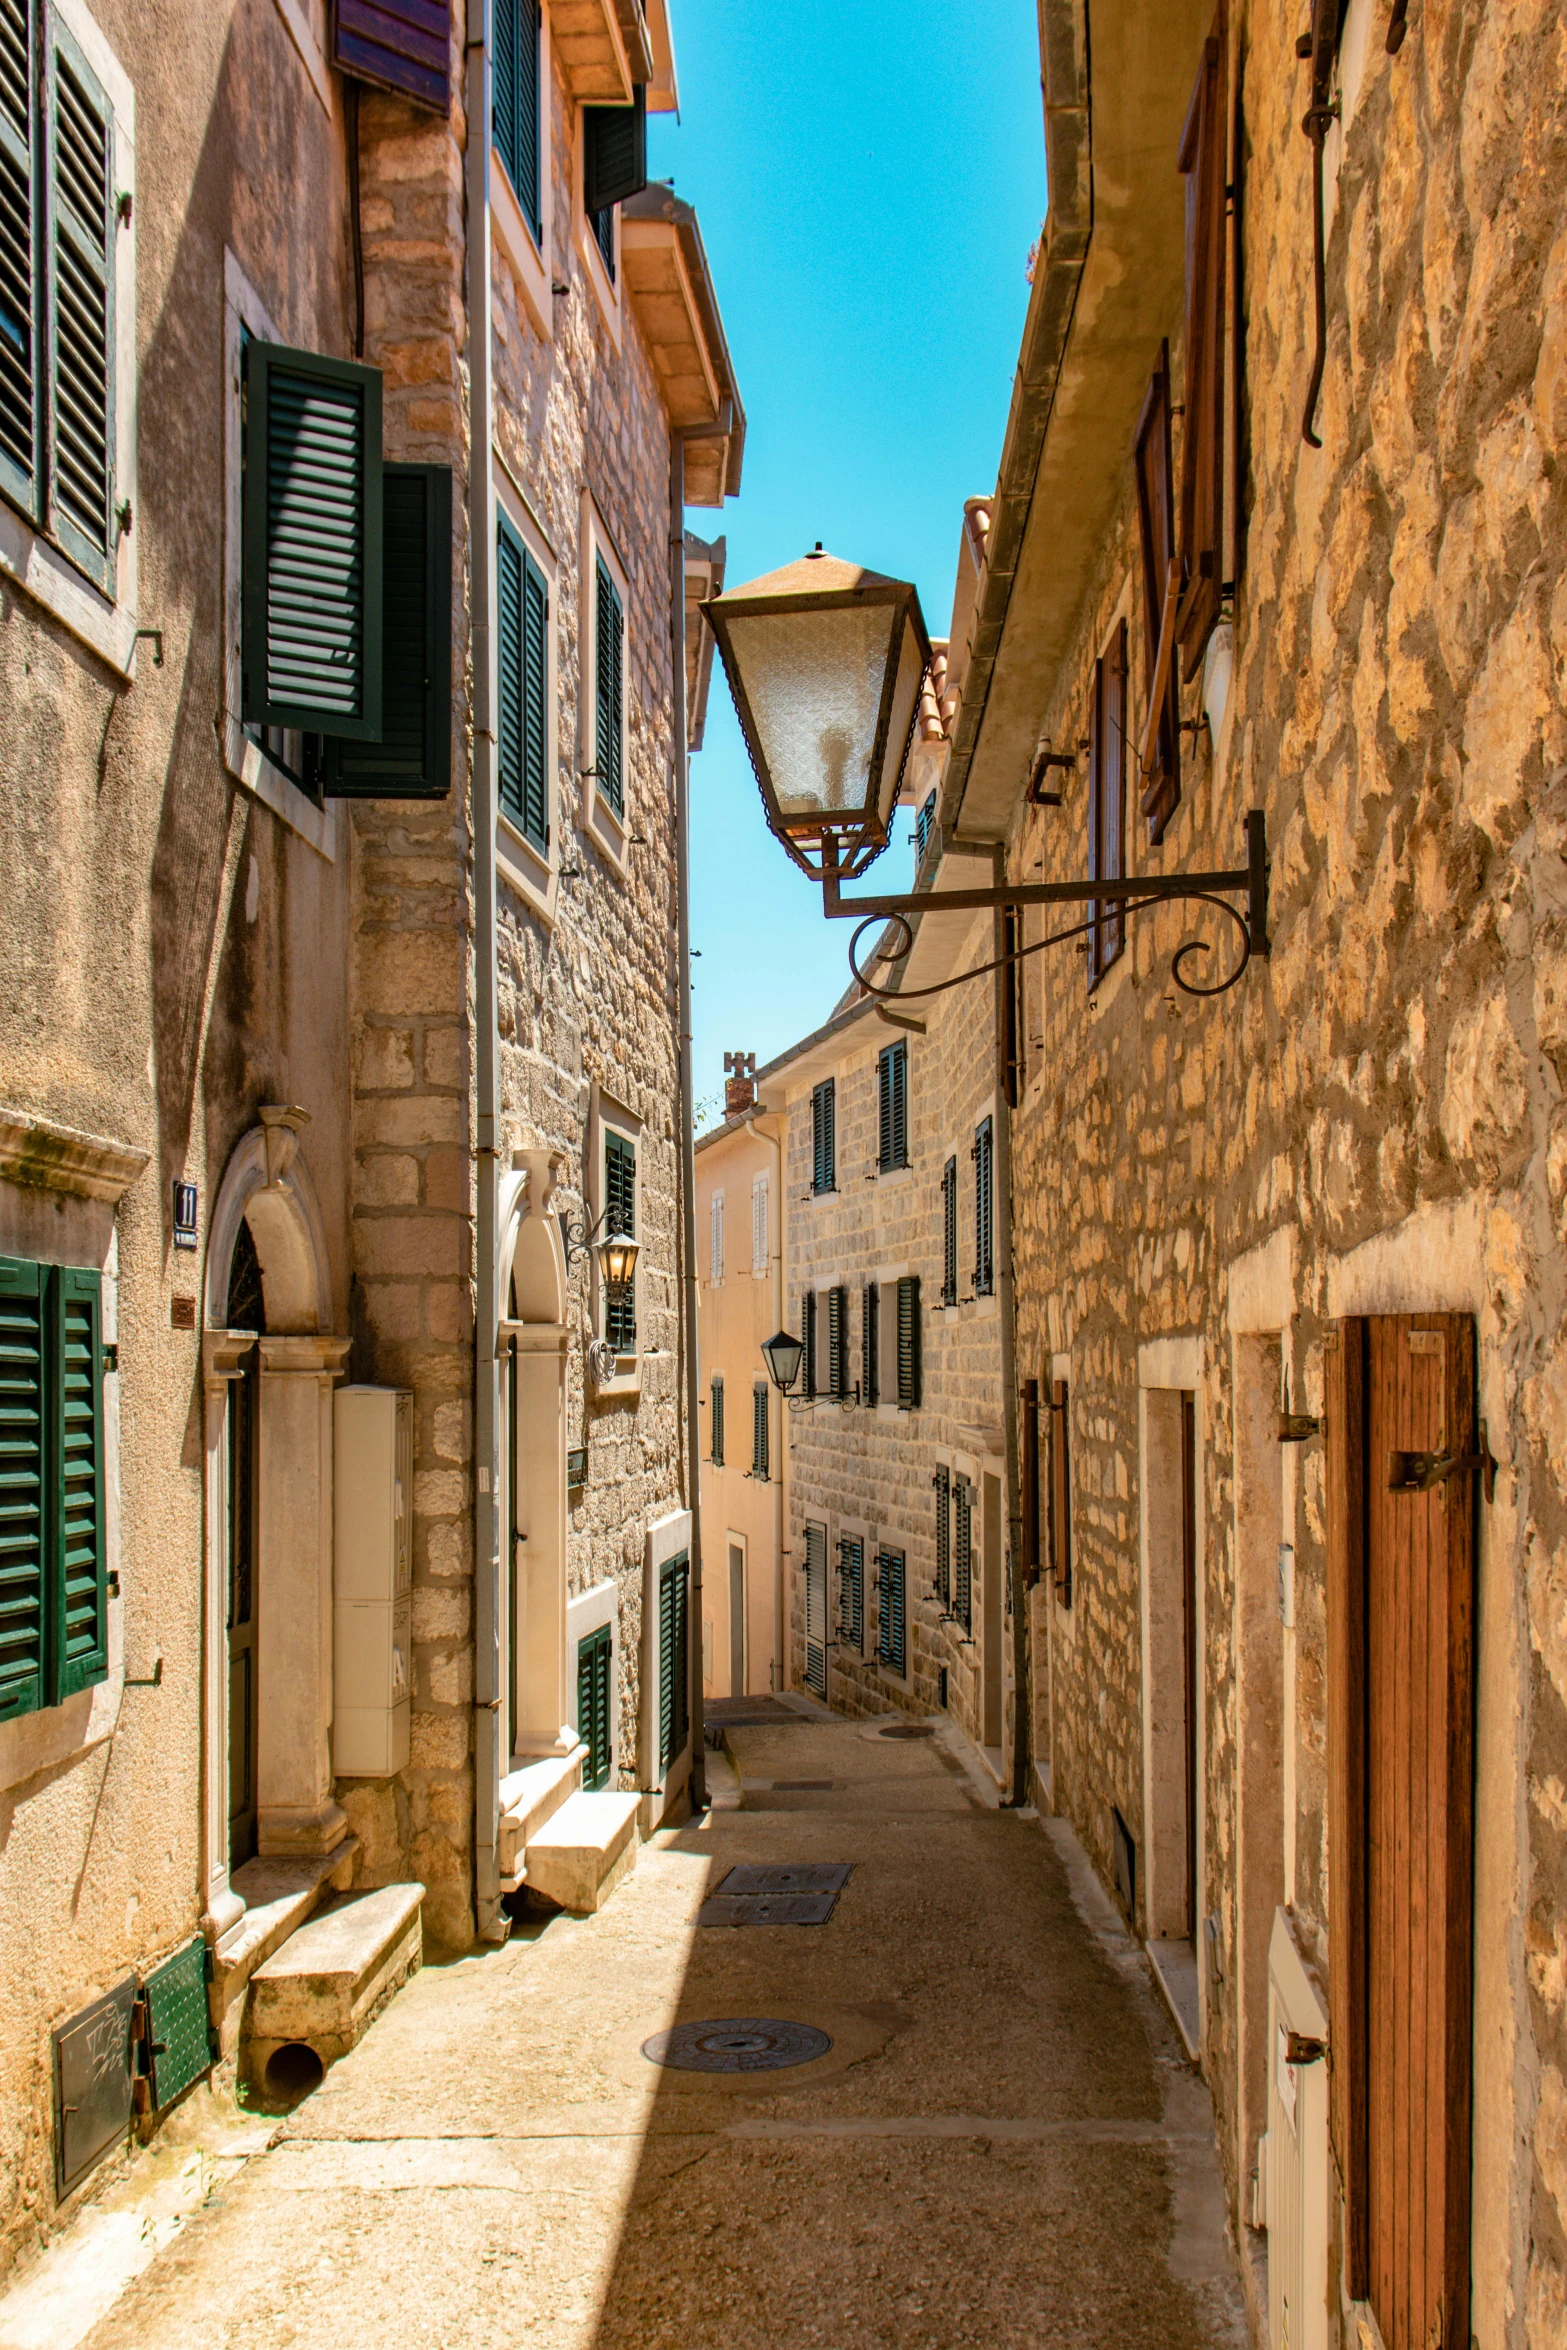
(739, 2044)
(806, 1876)
(766, 1909)
(908, 1730)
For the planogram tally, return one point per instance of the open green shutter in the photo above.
(80, 288)
(522, 670)
(942, 1481)
(870, 1367)
(963, 1554)
(594, 1660)
(620, 1201)
(79, 1595)
(759, 1428)
(674, 1703)
(311, 637)
(517, 103)
(413, 758)
(609, 690)
(21, 419)
(614, 153)
(22, 1479)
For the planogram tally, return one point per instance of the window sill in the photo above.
(517, 243)
(627, 1380)
(248, 763)
(530, 874)
(606, 291)
(37, 567)
(59, 1735)
(605, 829)
(894, 1175)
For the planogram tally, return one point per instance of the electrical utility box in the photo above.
(372, 1578)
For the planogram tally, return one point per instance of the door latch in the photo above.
(1422, 1472)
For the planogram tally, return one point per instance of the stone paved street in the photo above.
(1003, 2146)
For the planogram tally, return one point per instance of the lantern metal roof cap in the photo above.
(817, 580)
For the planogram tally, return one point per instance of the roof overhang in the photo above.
(670, 287)
(606, 47)
(1108, 285)
(705, 562)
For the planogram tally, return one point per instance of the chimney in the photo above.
(739, 1084)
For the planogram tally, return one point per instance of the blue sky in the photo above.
(869, 175)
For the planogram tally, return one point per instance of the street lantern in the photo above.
(782, 1355)
(617, 1254)
(825, 661)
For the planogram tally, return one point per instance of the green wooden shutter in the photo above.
(22, 1482)
(824, 1135)
(609, 690)
(838, 1344)
(79, 1589)
(21, 386)
(620, 1199)
(808, 1340)
(517, 103)
(413, 758)
(870, 1334)
(851, 1573)
(884, 1158)
(942, 1481)
(312, 543)
(816, 1609)
(716, 1415)
(909, 1342)
(949, 1233)
(892, 1108)
(594, 1690)
(760, 1466)
(522, 671)
(891, 1611)
(81, 308)
(984, 1208)
(614, 153)
(673, 1660)
(963, 1553)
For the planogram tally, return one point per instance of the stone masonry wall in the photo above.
(1399, 708)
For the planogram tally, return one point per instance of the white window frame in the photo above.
(760, 1236)
(243, 756)
(607, 1117)
(532, 876)
(606, 294)
(886, 1278)
(28, 556)
(610, 832)
(307, 24)
(530, 262)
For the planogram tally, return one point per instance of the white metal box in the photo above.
(372, 1576)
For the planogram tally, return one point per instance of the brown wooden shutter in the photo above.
(1161, 775)
(1401, 1761)
(1107, 799)
(1203, 157)
(1060, 1496)
(400, 45)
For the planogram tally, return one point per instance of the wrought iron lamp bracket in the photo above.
(1130, 896)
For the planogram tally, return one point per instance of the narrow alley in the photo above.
(1002, 2145)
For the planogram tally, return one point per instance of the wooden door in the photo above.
(1401, 1763)
(243, 1462)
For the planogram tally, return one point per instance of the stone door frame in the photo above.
(532, 1269)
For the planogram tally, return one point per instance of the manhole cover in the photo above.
(766, 1909)
(805, 1876)
(739, 2044)
(908, 1730)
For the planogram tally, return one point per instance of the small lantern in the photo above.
(618, 1254)
(782, 1355)
(825, 662)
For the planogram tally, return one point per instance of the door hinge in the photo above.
(1302, 2048)
(1422, 1472)
(111, 1356)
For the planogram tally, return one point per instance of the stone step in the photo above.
(581, 1853)
(278, 1895)
(329, 1981)
(529, 1797)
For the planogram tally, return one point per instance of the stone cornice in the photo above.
(46, 1157)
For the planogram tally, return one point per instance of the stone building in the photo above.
(744, 1422)
(330, 1032)
(1289, 1259)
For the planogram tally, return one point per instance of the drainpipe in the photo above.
(687, 1101)
(488, 1699)
(1006, 976)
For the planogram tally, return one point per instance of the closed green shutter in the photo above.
(851, 1579)
(79, 1597)
(595, 1658)
(620, 1201)
(892, 1069)
(312, 543)
(838, 1344)
(517, 103)
(413, 759)
(891, 1611)
(824, 1136)
(22, 1480)
(609, 653)
(760, 1466)
(21, 386)
(870, 1334)
(674, 1696)
(716, 1414)
(949, 1233)
(816, 1609)
(81, 308)
(984, 1208)
(942, 1481)
(808, 1339)
(909, 1342)
(963, 1554)
(614, 153)
(522, 672)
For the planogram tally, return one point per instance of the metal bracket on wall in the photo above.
(1296, 1427)
(1422, 1472)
